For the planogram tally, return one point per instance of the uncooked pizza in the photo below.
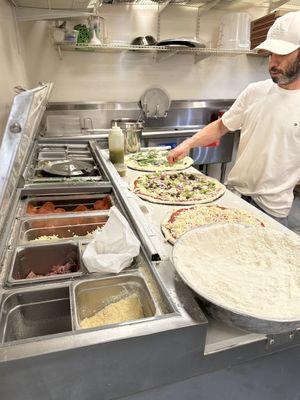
(177, 222)
(180, 188)
(155, 160)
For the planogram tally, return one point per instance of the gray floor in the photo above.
(275, 377)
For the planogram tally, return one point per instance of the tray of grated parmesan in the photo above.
(97, 303)
(246, 276)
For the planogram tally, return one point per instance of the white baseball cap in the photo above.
(284, 35)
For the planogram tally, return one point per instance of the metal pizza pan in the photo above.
(229, 315)
(67, 167)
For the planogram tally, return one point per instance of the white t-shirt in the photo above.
(267, 166)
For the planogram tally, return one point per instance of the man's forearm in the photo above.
(209, 134)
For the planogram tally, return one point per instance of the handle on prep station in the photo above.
(214, 144)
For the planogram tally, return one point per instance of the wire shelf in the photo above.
(83, 4)
(65, 46)
(221, 4)
(54, 4)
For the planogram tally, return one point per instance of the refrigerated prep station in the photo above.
(57, 189)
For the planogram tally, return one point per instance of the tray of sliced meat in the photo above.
(43, 263)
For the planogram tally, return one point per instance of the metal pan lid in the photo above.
(67, 167)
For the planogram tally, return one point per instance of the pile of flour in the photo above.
(251, 270)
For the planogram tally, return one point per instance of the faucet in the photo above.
(85, 128)
(144, 110)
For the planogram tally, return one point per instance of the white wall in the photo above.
(12, 68)
(124, 76)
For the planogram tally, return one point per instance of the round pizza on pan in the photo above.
(180, 188)
(155, 160)
(177, 222)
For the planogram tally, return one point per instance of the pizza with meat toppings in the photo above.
(155, 160)
(177, 222)
(180, 188)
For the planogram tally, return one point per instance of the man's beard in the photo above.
(291, 73)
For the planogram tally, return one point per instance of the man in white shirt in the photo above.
(267, 166)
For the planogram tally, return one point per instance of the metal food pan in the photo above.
(90, 296)
(34, 313)
(63, 154)
(50, 167)
(67, 203)
(63, 147)
(63, 228)
(40, 259)
(52, 155)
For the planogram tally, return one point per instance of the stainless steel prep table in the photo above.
(173, 354)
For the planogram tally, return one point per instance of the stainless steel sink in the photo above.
(34, 313)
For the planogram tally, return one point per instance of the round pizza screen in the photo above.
(178, 188)
(180, 221)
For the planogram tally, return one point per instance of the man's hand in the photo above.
(178, 153)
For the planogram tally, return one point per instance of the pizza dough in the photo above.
(245, 269)
(177, 222)
(180, 188)
(155, 160)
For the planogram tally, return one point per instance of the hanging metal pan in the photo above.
(155, 103)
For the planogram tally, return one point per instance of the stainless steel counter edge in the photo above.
(74, 340)
(133, 105)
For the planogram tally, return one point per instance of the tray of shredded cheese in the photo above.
(37, 230)
(99, 303)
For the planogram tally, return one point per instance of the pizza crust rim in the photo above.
(178, 203)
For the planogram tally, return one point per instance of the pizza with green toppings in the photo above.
(155, 160)
(177, 188)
